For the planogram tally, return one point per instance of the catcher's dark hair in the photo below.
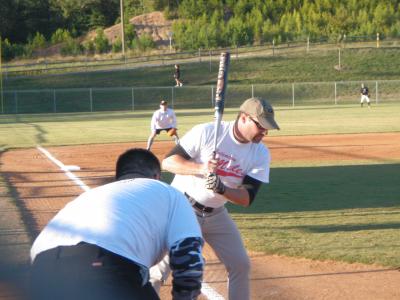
(137, 162)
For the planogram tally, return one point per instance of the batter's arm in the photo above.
(239, 196)
(179, 162)
(242, 195)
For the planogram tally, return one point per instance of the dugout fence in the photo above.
(189, 97)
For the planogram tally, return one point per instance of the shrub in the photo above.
(60, 36)
(7, 52)
(101, 43)
(38, 41)
(130, 33)
(71, 47)
(117, 46)
(89, 48)
(145, 42)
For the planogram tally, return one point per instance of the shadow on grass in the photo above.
(40, 135)
(333, 228)
(327, 188)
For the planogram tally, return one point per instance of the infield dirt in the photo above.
(40, 189)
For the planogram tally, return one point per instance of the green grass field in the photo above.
(341, 212)
(107, 127)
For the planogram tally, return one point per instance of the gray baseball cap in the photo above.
(261, 111)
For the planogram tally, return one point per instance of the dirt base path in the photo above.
(41, 189)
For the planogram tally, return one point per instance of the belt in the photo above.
(198, 205)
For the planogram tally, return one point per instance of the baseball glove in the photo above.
(172, 132)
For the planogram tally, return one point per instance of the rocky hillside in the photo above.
(152, 23)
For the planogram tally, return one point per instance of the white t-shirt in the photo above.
(235, 161)
(139, 219)
(163, 119)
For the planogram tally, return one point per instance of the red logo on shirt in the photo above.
(227, 169)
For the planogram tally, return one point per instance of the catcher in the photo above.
(163, 119)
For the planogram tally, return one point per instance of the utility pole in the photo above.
(122, 27)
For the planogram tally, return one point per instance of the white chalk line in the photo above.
(64, 168)
(206, 290)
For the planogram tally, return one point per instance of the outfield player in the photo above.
(241, 166)
(101, 245)
(164, 119)
(177, 75)
(364, 95)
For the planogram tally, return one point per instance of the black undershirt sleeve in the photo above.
(178, 150)
(252, 186)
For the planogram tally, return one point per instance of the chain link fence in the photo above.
(189, 97)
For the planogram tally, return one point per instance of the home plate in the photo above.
(71, 168)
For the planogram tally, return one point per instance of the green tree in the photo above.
(238, 32)
(71, 46)
(130, 33)
(60, 36)
(38, 41)
(89, 47)
(192, 9)
(145, 42)
(117, 45)
(101, 43)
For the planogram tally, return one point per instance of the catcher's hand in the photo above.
(213, 182)
(172, 132)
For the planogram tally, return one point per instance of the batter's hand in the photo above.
(210, 166)
(213, 182)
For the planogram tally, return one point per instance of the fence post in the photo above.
(335, 93)
(252, 91)
(54, 101)
(199, 54)
(377, 40)
(212, 96)
(210, 59)
(376, 92)
(293, 94)
(308, 44)
(91, 99)
(16, 102)
(273, 47)
(172, 97)
(133, 100)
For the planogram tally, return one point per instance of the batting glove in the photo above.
(213, 182)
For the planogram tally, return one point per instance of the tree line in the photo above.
(26, 25)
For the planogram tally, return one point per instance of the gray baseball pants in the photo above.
(222, 234)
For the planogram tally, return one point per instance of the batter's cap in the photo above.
(261, 111)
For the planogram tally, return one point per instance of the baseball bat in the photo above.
(222, 83)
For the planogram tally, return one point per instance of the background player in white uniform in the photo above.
(163, 119)
(242, 164)
(101, 245)
(364, 95)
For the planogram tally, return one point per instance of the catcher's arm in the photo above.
(187, 266)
